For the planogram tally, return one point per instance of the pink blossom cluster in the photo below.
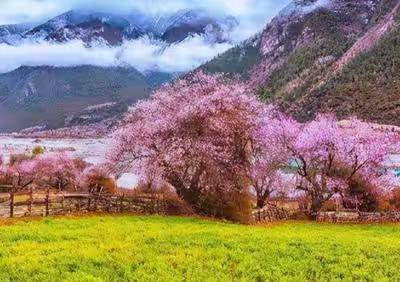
(189, 121)
(50, 170)
(206, 132)
(330, 158)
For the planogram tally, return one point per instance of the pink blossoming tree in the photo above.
(55, 170)
(198, 135)
(332, 158)
(214, 141)
(270, 157)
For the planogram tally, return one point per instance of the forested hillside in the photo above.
(325, 56)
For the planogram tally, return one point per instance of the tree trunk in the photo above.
(316, 204)
(262, 197)
(261, 201)
(190, 196)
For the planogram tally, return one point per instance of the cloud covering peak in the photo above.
(254, 12)
(143, 53)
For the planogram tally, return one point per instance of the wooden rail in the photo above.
(16, 203)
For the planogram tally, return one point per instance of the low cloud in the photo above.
(143, 54)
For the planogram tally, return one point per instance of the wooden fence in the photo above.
(15, 203)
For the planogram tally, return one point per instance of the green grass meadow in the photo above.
(134, 248)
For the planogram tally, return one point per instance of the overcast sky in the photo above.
(252, 15)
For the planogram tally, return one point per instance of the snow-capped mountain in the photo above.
(12, 34)
(179, 26)
(86, 26)
(195, 20)
(92, 27)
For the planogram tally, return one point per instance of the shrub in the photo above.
(37, 150)
(175, 205)
(329, 206)
(394, 200)
(361, 195)
(97, 180)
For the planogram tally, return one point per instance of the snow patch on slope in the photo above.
(303, 7)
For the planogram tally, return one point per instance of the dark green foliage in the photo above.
(369, 86)
(305, 59)
(330, 41)
(238, 60)
(382, 9)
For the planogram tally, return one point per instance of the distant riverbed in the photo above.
(91, 150)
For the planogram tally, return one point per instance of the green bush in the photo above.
(37, 150)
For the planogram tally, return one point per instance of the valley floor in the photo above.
(106, 248)
(90, 150)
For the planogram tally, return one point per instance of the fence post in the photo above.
(30, 201)
(108, 204)
(163, 205)
(12, 201)
(157, 202)
(47, 201)
(122, 203)
(89, 201)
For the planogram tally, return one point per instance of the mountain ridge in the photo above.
(54, 97)
(309, 62)
(112, 29)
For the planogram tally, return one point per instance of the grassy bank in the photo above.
(173, 249)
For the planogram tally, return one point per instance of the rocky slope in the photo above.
(57, 97)
(337, 56)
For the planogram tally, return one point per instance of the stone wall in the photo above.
(358, 217)
(43, 204)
